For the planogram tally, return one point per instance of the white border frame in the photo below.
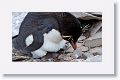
(104, 67)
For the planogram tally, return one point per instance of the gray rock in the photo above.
(84, 49)
(97, 58)
(96, 28)
(86, 16)
(17, 18)
(94, 41)
(81, 38)
(82, 57)
(65, 57)
(96, 51)
(70, 49)
(76, 53)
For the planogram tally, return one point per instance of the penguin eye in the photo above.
(68, 38)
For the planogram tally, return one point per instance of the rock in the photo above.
(88, 54)
(84, 49)
(82, 57)
(81, 38)
(55, 55)
(74, 60)
(20, 58)
(68, 58)
(70, 49)
(65, 57)
(94, 41)
(76, 53)
(74, 56)
(95, 36)
(77, 60)
(86, 16)
(96, 28)
(97, 58)
(96, 51)
(17, 18)
(95, 13)
(79, 45)
(93, 52)
(50, 55)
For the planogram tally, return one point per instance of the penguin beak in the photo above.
(74, 45)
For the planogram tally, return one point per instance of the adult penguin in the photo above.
(42, 32)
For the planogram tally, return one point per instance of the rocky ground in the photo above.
(89, 44)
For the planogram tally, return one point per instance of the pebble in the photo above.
(81, 38)
(84, 49)
(76, 53)
(96, 51)
(97, 58)
(65, 57)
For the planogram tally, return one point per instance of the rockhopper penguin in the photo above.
(42, 32)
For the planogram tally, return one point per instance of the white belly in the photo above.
(53, 42)
(53, 47)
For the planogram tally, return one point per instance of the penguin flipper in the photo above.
(38, 40)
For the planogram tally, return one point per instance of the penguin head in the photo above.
(71, 30)
(72, 37)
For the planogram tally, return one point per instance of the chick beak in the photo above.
(74, 45)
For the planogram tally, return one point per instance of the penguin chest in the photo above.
(50, 46)
(53, 41)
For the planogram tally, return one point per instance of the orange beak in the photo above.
(74, 45)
